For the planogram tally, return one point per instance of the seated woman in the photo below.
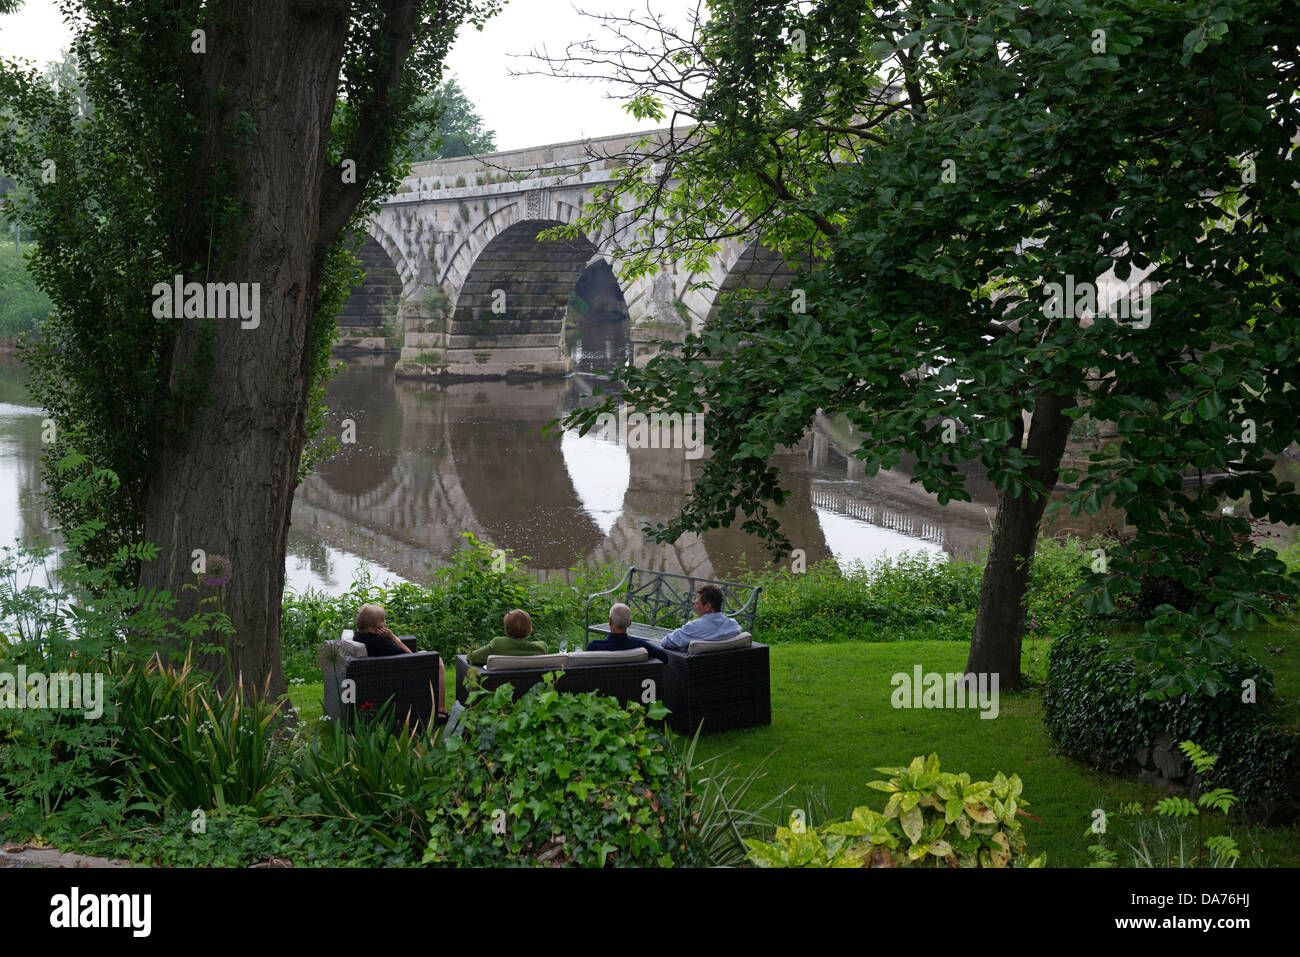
(380, 642)
(518, 626)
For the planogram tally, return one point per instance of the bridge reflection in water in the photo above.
(431, 462)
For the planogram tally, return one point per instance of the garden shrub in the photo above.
(927, 595)
(55, 764)
(1059, 568)
(561, 779)
(380, 781)
(57, 767)
(574, 775)
(916, 595)
(1095, 710)
(932, 819)
(189, 746)
(1157, 590)
(65, 770)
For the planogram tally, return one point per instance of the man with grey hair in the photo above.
(620, 617)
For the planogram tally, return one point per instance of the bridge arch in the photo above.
(508, 314)
(750, 266)
(385, 230)
(518, 281)
(376, 300)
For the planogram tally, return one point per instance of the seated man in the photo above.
(710, 625)
(620, 616)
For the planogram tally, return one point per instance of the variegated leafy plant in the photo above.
(932, 818)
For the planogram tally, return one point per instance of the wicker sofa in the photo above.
(640, 680)
(408, 681)
(708, 686)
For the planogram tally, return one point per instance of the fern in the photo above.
(1204, 763)
(1221, 799)
(1161, 852)
(1175, 807)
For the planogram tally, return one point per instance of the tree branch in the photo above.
(339, 200)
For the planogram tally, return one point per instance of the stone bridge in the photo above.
(453, 260)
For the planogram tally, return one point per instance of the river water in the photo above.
(432, 462)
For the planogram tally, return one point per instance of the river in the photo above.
(431, 462)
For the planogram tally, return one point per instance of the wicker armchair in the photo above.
(408, 681)
(721, 690)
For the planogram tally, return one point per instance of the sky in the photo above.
(523, 110)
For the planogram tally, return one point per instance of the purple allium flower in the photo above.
(219, 570)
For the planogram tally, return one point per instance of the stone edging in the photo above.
(25, 855)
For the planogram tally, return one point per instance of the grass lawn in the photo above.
(833, 723)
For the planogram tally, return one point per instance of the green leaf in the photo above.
(1211, 406)
(912, 822)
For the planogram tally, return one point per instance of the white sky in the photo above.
(523, 110)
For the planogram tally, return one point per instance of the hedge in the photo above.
(1095, 711)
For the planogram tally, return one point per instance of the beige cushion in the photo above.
(353, 649)
(742, 640)
(579, 658)
(525, 662)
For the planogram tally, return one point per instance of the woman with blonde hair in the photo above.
(518, 626)
(380, 642)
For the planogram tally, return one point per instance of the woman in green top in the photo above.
(518, 627)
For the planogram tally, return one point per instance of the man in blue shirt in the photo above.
(620, 617)
(710, 625)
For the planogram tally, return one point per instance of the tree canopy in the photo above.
(457, 130)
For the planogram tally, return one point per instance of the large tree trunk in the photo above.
(1000, 620)
(225, 483)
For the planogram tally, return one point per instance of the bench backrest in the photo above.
(659, 597)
